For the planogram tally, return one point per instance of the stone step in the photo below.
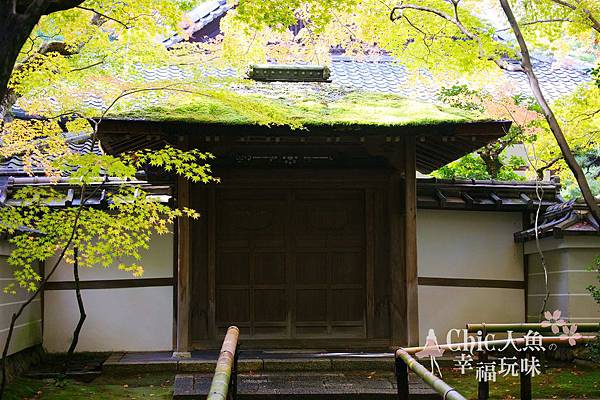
(305, 385)
(254, 361)
(250, 361)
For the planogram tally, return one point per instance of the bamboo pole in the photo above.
(220, 382)
(524, 328)
(442, 388)
(490, 344)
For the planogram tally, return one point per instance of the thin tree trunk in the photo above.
(492, 162)
(82, 314)
(16, 315)
(41, 287)
(550, 117)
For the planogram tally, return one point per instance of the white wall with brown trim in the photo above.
(118, 318)
(28, 328)
(470, 270)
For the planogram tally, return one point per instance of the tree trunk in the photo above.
(14, 31)
(82, 314)
(492, 162)
(18, 18)
(549, 115)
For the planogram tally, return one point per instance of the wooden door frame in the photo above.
(367, 181)
(399, 184)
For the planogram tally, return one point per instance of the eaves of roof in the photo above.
(560, 220)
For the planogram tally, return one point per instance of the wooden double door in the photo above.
(290, 263)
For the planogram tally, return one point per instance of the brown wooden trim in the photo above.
(410, 241)
(370, 260)
(184, 287)
(375, 345)
(42, 272)
(397, 271)
(474, 283)
(111, 284)
(175, 270)
(211, 262)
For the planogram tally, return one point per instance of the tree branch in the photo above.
(396, 14)
(540, 171)
(538, 21)
(89, 66)
(595, 22)
(103, 15)
(549, 114)
(439, 13)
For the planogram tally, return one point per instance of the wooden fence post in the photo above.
(525, 378)
(483, 386)
(233, 384)
(401, 370)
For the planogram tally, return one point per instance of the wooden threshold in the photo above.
(305, 344)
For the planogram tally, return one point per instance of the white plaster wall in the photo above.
(157, 261)
(133, 319)
(28, 329)
(445, 308)
(469, 244)
(567, 262)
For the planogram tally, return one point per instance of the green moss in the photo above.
(569, 382)
(139, 386)
(299, 109)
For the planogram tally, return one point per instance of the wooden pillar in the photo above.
(183, 273)
(410, 241)
(397, 276)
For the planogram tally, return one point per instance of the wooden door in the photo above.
(290, 264)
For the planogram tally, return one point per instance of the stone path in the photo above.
(305, 385)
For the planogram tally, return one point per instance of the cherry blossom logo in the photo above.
(554, 321)
(431, 350)
(570, 334)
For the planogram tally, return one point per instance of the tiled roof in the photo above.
(200, 17)
(569, 218)
(491, 195)
(556, 80)
(385, 75)
(14, 166)
(96, 193)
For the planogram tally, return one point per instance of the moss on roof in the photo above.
(297, 109)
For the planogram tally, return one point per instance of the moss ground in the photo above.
(557, 383)
(143, 386)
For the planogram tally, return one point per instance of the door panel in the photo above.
(291, 263)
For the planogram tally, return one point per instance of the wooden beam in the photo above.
(526, 199)
(410, 241)
(184, 277)
(370, 259)
(497, 200)
(468, 199)
(397, 271)
(211, 263)
(442, 199)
